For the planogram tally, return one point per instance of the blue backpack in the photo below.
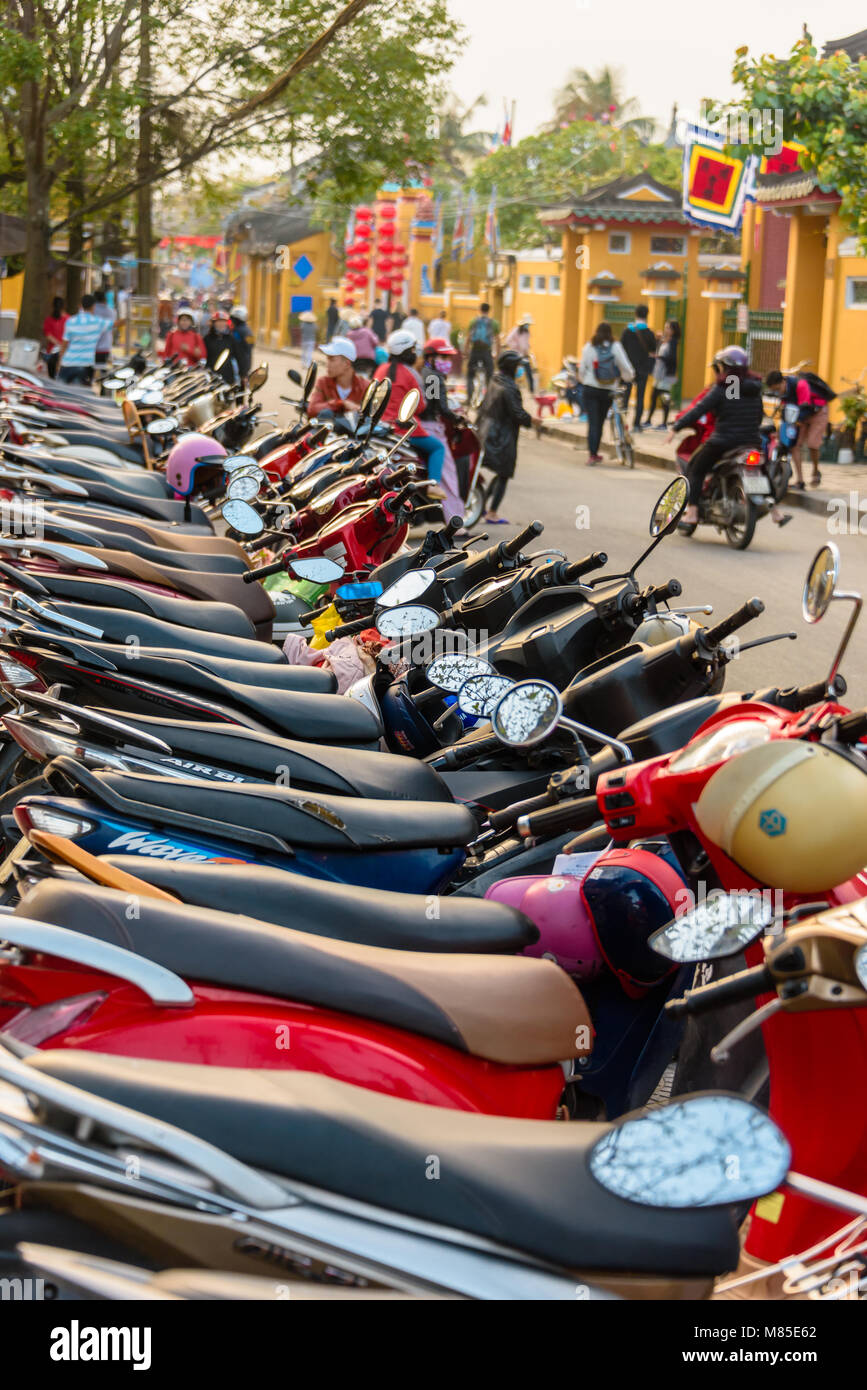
(607, 371)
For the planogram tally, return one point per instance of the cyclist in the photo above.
(483, 337)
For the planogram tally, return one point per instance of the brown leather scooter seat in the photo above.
(163, 537)
(508, 1009)
(224, 588)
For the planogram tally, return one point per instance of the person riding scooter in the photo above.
(343, 388)
(400, 371)
(734, 402)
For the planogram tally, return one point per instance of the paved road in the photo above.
(608, 508)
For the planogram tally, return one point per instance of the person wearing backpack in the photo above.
(639, 343)
(603, 366)
(812, 396)
(483, 339)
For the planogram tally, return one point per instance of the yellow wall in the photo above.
(10, 292)
(547, 331)
(805, 278)
(267, 287)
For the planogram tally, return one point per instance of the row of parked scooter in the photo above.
(508, 968)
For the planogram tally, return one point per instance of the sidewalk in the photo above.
(844, 486)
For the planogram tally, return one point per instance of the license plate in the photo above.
(756, 482)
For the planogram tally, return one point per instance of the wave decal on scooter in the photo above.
(139, 842)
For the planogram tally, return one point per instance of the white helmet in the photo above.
(239, 311)
(400, 341)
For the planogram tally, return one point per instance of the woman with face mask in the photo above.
(218, 339)
(437, 355)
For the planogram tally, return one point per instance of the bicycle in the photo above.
(624, 448)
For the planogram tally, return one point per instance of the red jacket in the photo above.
(326, 397)
(403, 379)
(189, 346)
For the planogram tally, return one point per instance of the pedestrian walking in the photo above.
(603, 366)
(812, 396)
(307, 321)
(639, 343)
(332, 318)
(518, 338)
(365, 343)
(81, 333)
(483, 338)
(104, 311)
(439, 327)
(378, 320)
(244, 341)
(52, 334)
(413, 324)
(501, 416)
(664, 373)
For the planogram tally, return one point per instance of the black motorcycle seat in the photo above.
(301, 820)
(245, 684)
(205, 560)
(507, 1009)
(399, 921)
(163, 510)
(525, 1184)
(187, 612)
(137, 482)
(114, 443)
(121, 624)
(263, 757)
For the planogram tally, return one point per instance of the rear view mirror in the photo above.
(409, 405)
(381, 397)
(705, 1151)
(407, 621)
(452, 671)
(125, 373)
(242, 517)
(722, 925)
(113, 383)
(221, 360)
(165, 426)
(820, 583)
(367, 398)
(478, 695)
(358, 593)
(527, 713)
(309, 381)
(410, 585)
(319, 570)
(669, 508)
(258, 377)
(294, 376)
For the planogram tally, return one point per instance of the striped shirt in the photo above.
(82, 332)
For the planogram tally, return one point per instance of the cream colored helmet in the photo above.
(792, 814)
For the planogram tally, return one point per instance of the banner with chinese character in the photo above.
(715, 184)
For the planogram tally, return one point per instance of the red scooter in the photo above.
(469, 1032)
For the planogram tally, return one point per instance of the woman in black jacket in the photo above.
(500, 418)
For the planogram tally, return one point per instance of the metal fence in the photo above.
(763, 338)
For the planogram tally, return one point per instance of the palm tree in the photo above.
(458, 148)
(598, 97)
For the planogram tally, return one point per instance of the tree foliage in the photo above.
(824, 106)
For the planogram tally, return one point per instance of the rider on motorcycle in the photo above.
(400, 370)
(436, 414)
(734, 402)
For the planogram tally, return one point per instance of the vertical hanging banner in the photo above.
(492, 233)
(715, 184)
(458, 232)
(439, 237)
(470, 226)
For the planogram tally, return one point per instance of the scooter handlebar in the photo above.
(349, 629)
(516, 544)
(251, 576)
(852, 727)
(732, 990)
(590, 562)
(569, 815)
(750, 610)
(662, 592)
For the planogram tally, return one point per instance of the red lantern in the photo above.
(400, 248)
(399, 258)
(363, 231)
(387, 212)
(383, 282)
(384, 263)
(397, 286)
(349, 298)
(363, 214)
(360, 280)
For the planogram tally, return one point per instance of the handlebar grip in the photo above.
(516, 544)
(734, 989)
(262, 572)
(453, 524)
(457, 756)
(314, 613)
(569, 815)
(501, 820)
(659, 594)
(750, 610)
(852, 726)
(349, 629)
(590, 562)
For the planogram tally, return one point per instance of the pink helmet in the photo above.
(190, 457)
(557, 908)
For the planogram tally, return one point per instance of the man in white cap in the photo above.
(342, 389)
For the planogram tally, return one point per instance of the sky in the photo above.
(676, 50)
